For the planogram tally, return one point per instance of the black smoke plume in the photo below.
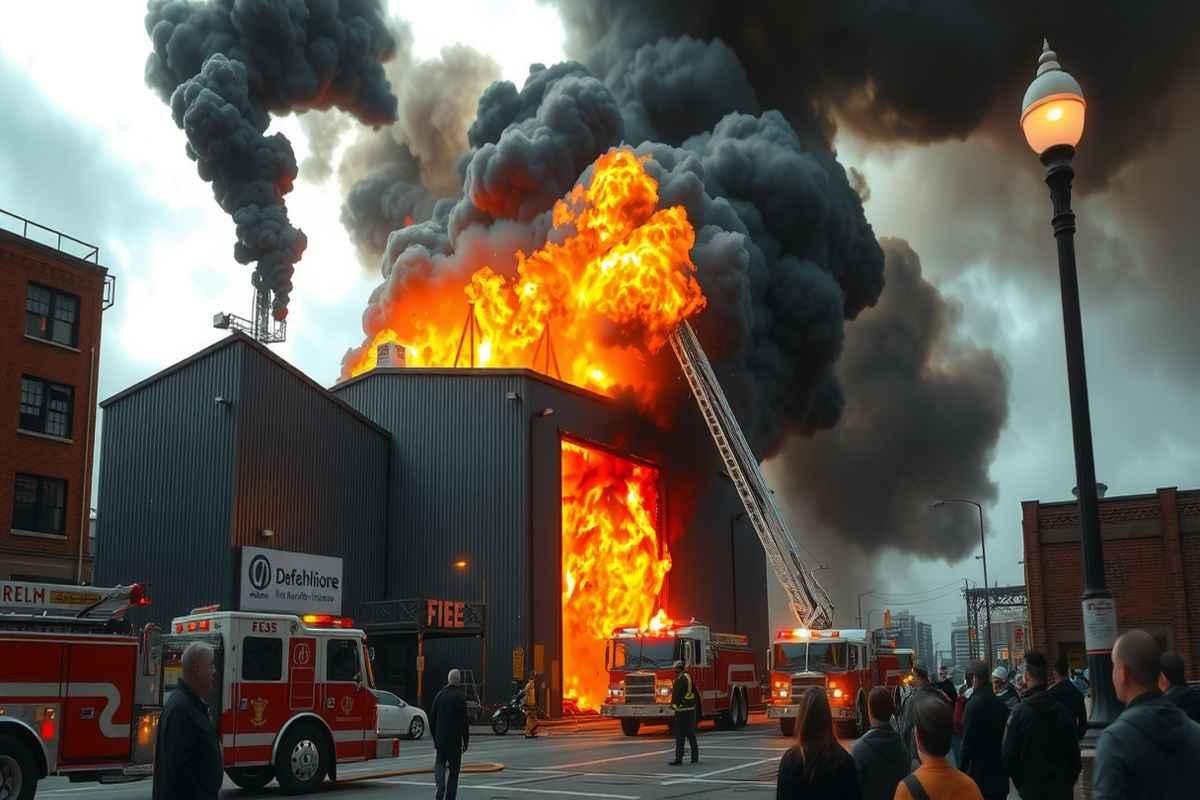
(926, 71)
(921, 421)
(225, 65)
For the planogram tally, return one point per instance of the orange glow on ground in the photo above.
(612, 290)
(613, 563)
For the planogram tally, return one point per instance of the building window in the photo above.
(46, 407)
(51, 315)
(40, 504)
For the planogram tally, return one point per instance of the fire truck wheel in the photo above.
(741, 713)
(787, 726)
(630, 726)
(18, 771)
(251, 777)
(302, 759)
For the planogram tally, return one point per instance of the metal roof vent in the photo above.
(389, 354)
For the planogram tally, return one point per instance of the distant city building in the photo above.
(960, 644)
(1151, 566)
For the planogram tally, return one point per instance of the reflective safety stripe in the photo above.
(109, 691)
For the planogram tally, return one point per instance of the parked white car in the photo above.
(398, 718)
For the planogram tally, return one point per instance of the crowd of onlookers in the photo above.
(947, 742)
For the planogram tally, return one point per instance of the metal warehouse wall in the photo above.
(457, 491)
(166, 485)
(312, 471)
(184, 479)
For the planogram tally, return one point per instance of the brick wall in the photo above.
(1152, 568)
(21, 262)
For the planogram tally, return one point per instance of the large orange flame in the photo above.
(613, 287)
(613, 562)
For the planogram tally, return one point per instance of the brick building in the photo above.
(52, 295)
(1151, 564)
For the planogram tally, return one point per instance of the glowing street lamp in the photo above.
(1052, 115)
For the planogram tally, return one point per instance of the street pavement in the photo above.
(589, 760)
(592, 760)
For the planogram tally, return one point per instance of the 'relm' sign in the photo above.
(298, 583)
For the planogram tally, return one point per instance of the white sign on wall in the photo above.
(1099, 624)
(298, 583)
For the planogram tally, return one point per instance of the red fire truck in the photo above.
(640, 666)
(79, 693)
(847, 664)
(292, 699)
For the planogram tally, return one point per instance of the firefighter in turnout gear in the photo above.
(531, 707)
(686, 703)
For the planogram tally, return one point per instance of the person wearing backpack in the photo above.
(933, 728)
(1041, 749)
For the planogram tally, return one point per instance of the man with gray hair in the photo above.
(187, 756)
(1150, 750)
(451, 734)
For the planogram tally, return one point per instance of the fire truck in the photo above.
(293, 697)
(79, 693)
(640, 664)
(845, 664)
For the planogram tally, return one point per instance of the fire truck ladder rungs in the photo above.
(808, 600)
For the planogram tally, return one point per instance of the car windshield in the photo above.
(643, 653)
(385, 698)
(811, 656)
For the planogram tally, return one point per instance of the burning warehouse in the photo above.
(545, 509)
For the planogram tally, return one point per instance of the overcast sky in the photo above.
(86, 148)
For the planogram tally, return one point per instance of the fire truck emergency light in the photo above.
(327, 621)
(137, 595)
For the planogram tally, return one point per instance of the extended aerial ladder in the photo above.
(808, 600)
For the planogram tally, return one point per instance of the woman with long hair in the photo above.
(816, 766)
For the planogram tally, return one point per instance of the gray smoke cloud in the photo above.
(921, 421)
(923, 72)
(224, 66)
(394, 176)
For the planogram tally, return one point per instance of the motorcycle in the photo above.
(510, 715)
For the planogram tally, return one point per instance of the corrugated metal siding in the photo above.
(457, 491)
(311, 472)
(166, 487)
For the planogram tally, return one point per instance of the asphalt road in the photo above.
(591, 760)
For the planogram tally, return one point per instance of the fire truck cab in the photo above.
(78, 690)
(846, 664)
(641, 671)
(292, 698)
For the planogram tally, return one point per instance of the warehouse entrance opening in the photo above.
(615, 560)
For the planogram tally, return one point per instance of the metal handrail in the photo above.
(92, 252)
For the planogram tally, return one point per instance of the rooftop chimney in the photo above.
(389, 355)
(1101, 489)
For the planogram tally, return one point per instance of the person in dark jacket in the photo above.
(1064, 691)
(686, 703)
(1152, 749)
(187, 753)
(944, 684)
(1173, 684)
(451, 734)
(880, 757)
(983, 737)
(1003, 689)
(816, 766)
(908, 725)
(1041, 749)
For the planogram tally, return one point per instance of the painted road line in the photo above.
(658, 776)
(523, 790)
(719, 771)
(610, 760)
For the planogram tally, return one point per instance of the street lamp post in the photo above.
(987, 603)
(1052, 114)
(462, 565)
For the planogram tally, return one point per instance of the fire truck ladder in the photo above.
(808, 600)
(71, 608)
